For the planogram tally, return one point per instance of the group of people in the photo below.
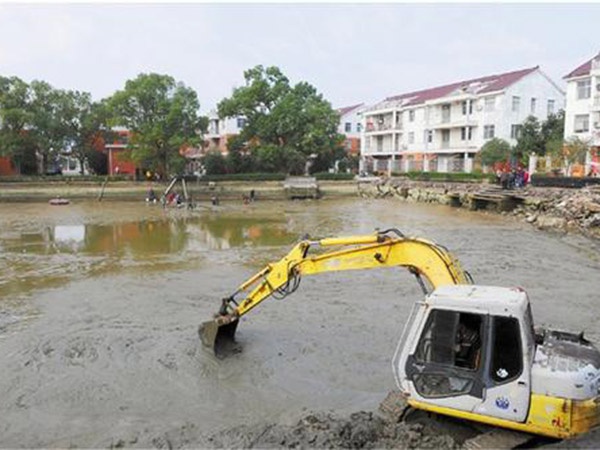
(510, 179)
(175, 199)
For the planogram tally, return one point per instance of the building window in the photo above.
(489, 131)
(584, 89)
(446, 110)
(347, 127)
(411, 115)
(429, 136)
(467, 107)
(582, 123)
(516, 103)
(241, 122)
(490, 103)
(411, 137)
(379, 143)
(515, 131)
(533, 102)
(466, 133)
(358, 127)
(550, 106)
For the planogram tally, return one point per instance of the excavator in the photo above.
(467, 351)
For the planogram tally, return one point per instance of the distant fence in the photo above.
(564, 182)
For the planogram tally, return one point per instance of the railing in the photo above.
(371, 127)
(456, 165)
(384, 149)
(415, 166)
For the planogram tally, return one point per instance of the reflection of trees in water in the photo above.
(144, 238)
(139, 238)
(238, 231)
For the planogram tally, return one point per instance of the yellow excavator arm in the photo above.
(388, 248)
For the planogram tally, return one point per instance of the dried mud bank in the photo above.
(134, 191)
(319, 430)
(552, 209)
(359, 430)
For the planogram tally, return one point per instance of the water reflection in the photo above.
(151, 237)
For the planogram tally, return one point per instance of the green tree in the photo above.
(239, 158)
(552, 132)
(285, 125)
(15, 119)
(162, 115)
(88, 129)
(214, 163)
(51, 114)
(574, 152)
(530, 139)
(494, 151)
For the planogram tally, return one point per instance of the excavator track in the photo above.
(497, 439)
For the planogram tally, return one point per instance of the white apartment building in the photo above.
(442, 128)
(351, 126)
(221, 130)
(582, 112)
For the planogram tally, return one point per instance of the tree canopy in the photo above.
(35, 121)
(575, 151)
(494, 151)
(530, 139)
(286, 126)
(163, 117)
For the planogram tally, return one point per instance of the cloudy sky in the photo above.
(352, 53)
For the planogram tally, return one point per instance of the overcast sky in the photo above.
(352, 53)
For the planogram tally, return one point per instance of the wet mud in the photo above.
(98, 321)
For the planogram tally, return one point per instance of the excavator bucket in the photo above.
(219, 337)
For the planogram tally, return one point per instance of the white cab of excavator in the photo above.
(474, 349)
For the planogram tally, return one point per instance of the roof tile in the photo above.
(583, 69)
(480, 85)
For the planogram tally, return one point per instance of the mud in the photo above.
(98, 325)
(319, 430)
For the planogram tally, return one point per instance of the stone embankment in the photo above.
(556, 209)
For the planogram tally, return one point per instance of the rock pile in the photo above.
(573, 210)
(554, 209)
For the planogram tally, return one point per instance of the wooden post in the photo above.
(102, 190)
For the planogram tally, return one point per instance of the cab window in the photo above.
(451, 338)
(507, 359)
(450, 346)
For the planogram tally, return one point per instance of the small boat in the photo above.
(59, 201)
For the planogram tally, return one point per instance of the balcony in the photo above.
(452, 147)
(386, 127)
(386, 150)
(447, 121)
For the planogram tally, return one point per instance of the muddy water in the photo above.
(100, 303)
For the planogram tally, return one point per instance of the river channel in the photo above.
(100, 305)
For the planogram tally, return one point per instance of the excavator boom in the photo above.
(388, 248)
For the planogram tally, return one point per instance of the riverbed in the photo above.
(100, 305)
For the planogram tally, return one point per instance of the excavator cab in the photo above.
(471, 352)
(470, 348)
